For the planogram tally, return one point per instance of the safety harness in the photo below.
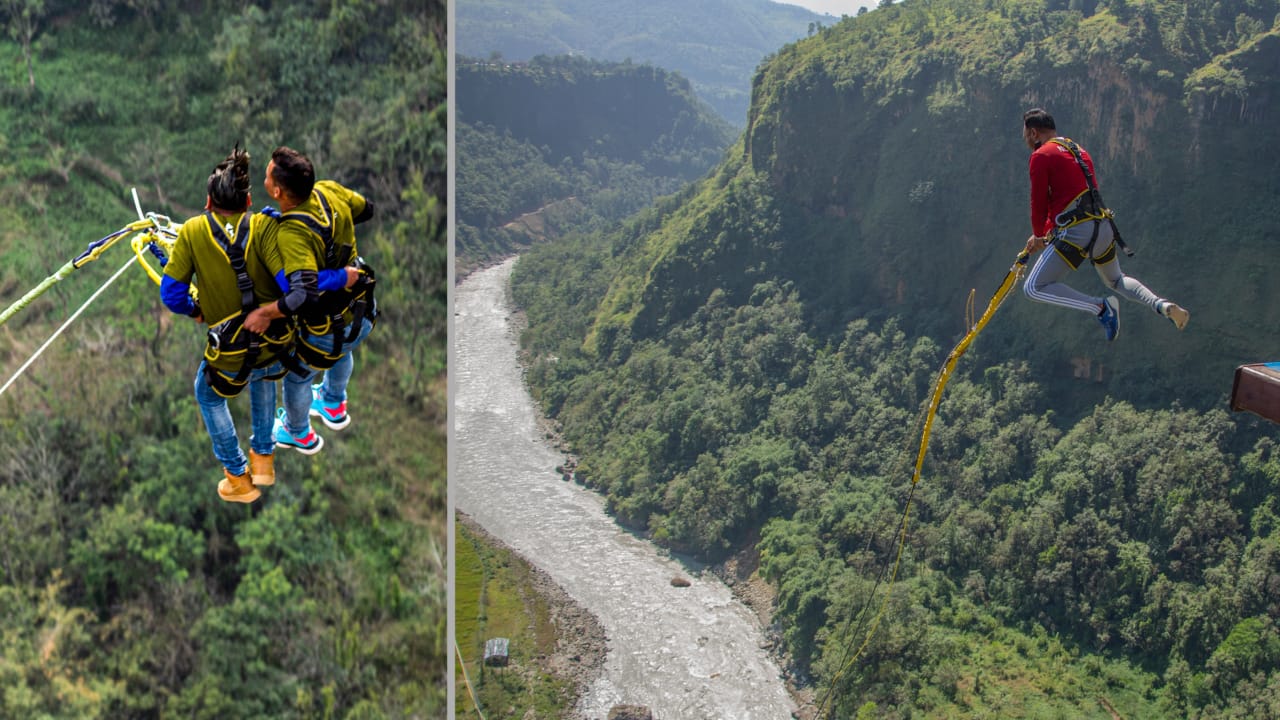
(1088, 207)
(229, 338)
(327, 316)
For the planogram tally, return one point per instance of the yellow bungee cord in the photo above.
(150, 231)
(944, 376)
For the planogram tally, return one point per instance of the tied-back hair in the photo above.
(229, 181)
(293, 172)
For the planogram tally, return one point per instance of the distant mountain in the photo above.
(717, 44)
(560, 142)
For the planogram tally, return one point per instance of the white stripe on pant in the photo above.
(1044, 283)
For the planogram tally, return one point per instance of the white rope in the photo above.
(64, 326)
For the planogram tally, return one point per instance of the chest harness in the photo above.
(1088, 207)
(229, 338)
(328, 315)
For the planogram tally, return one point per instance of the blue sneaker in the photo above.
(308, 444)
(333, 415)
(1110, 318)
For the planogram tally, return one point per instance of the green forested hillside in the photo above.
(561, 143)
(883, 172)
(717, 44)
(746, 364)
(129, 590)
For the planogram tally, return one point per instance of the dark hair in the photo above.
(293, 172)
(1038, 119)
(229, 182)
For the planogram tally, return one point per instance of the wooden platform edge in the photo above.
(1256, 389)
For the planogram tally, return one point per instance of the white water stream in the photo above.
(692, 653)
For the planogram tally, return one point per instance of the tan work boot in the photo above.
(237, 488)
(262, 469)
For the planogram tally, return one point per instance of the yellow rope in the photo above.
(466, 680)
(944, 376)
(40, 351)
(1010, 279)
(151, 228)
(968, 309)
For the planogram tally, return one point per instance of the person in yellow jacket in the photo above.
(330, 291)
(233, 257)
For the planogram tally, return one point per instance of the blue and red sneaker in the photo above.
(333, 415)
(307, 444)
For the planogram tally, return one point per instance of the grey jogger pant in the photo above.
(1044, 283)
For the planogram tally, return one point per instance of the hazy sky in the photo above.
(832, 7)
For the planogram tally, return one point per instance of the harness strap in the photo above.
(292, 364)
(1075, 256)
(339, 337)
(335, 257)
(234, 248)
(363, 306)
(1089, 206)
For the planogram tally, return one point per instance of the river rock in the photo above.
(630, 712)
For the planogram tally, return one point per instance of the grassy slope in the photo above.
(495, 597)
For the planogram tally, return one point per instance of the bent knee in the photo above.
(1034, 288)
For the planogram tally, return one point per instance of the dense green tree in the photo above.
(22, 18)
(717, 44)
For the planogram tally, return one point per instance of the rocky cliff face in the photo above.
(885, 174)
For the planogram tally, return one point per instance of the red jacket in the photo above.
(1056, 181)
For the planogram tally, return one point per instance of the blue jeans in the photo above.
(297, 388)
(222, 431)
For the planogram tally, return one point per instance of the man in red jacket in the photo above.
(1067, 213)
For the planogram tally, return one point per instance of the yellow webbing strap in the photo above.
(1002, 292)
(944, 376)
(40, 351)
(147, 229)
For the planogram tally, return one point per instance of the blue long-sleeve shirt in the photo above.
(326, 280)
(176, 295)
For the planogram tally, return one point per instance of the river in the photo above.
(688, 653)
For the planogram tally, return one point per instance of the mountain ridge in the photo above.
(532, 135)
(715, 43)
